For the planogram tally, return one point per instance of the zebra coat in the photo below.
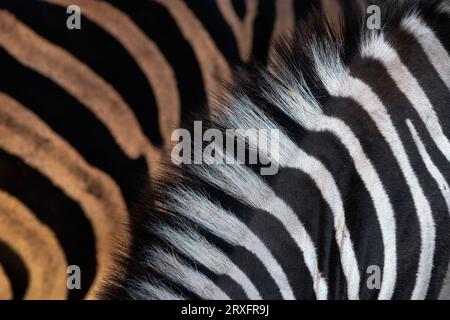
(363, 180)
(86, 114)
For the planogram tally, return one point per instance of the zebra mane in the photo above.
(178, 226)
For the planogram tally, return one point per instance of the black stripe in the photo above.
(15, 269)
(230, 287)
(250, 265)
(53, 208)
(152, 17)
(215, 24)
(263, 27)
(257, 222)
(274, 235)
(240, 7)
(100, 51)
(222, 281)
(299, 191)
(303, 8)
(440, 24)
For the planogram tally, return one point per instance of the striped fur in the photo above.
(86, 116)
(364, 174)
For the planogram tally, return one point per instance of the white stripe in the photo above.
(169, 265)
(223, 224)
(369, 101)
(431, 45)
(143, 290)
(245, 185)
(379, 49)
(304, 109)
(197, 248)
(245, 115)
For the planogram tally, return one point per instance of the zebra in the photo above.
(364, 174)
